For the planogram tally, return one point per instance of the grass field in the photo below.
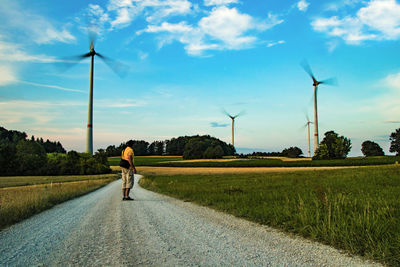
(22, 197)
(257, 162)
(357, 210)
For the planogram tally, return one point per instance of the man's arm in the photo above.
(132, 167)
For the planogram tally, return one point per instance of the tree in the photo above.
(194, 149)
(31, 157)
(333, 146)
(214, 152)
(395, 142)
(292, 152)
(369, 148)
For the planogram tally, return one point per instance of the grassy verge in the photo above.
(357, 210)
(18, 203)
(35, 180)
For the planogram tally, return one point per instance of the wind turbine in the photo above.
(308, 129)
(331, 81)
(233, 124)
(116, 66)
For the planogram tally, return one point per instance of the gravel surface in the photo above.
(100, 229)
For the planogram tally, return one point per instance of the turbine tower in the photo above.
(308, 129)
(233, 124)
(331, 81)
(117, 67)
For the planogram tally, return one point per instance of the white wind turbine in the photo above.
(233, 124)
(117, 67)
(331, 81)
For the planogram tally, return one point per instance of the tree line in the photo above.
(334, 146)
(190, 147)
(22, 156)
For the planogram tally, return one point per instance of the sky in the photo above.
(186, 61)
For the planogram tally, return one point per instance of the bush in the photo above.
(333, 146)
(369, 148)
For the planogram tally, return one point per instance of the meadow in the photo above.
(257, 162)
(357, 210)
(22, 197)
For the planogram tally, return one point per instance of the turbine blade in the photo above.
(68, 62)
(307, 69)
(118, 67)
(226, 113)
(93, 30)
(241, 113)
(331, 81)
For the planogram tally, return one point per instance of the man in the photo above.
(128, 174)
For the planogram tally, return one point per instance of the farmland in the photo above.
(22, 197)
(355, 209)
(257, 162)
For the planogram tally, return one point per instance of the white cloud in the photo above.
(377, 20)
(126, 11)
(302, 5)
(219, 2)
(53, 87)
(388, 104)
(271, 44)
(393, 81)
(223, 28)
(14, 53)
(36, 27)
(7, 75)
(228, 26)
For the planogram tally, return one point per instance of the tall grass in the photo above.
(356, 210)
(10, 181)
(18, 203)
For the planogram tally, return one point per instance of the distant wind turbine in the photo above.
(233, 124)
(308, 129)
(331, 81)
(117, 67)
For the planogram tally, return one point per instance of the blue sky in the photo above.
(188, 60)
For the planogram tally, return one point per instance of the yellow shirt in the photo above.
(128, 153)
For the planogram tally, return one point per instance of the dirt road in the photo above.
(154, 230)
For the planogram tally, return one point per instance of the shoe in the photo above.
(129, 198)
(124, 198)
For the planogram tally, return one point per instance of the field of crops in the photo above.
(357, 210)
(257, 162)
(144, 160)
(22, 197)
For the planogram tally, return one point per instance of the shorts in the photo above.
(127, 178)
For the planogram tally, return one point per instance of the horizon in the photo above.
(189, 60)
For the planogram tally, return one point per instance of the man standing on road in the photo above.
(128, 174)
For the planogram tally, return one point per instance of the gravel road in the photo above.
(100, 229)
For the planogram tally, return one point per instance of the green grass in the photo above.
(357, 210)
(258, 162)
(144, 160)
(21, 202)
